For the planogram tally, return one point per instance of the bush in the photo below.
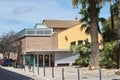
(109, 54)
(84, 58)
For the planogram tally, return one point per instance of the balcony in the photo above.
(35, 32)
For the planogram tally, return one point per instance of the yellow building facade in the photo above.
(74, 34)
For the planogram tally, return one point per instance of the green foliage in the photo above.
(86, 21)
(72, 49)
(107, 31)
(115, 8)
(84, 58)
(109, 54)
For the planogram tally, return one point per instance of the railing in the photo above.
(35, 32)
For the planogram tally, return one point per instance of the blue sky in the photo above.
(19, 14)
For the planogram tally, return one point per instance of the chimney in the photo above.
(76, 18)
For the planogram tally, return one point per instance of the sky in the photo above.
(19, 14)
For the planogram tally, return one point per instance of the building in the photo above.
(48, 44)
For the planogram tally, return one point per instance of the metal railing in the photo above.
(35, 32)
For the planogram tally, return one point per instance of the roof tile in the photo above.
(60, 23)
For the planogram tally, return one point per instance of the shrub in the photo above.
(109, 54)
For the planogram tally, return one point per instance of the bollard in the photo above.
(38, 69)
(62, 73)
(44, 71)
(33, 69)
(24, 67)
(21, 66)
(52, 72)
(100, 75)
(78, 74)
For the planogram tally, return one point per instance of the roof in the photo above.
(60, 23)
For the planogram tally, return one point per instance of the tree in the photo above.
(84, 51)
(93, 25)
(9, 44)
(119, 31)
(119, 19)
(86, 19)
(112, 19)
(5, 43)
(115, 8)
(107, 30)
(109, 54)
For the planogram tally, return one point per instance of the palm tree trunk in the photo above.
(112, 19)
(119, 19)
(119, 31)
(94, 34)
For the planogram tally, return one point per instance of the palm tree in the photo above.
(115, 8)
(93, 25)
(119, 19)
(86, 19)
(112, 19)
(119, 30)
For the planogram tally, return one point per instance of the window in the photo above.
(39, 32)
(80, 42)
(86, 41)
(30, 32)
(73, 43)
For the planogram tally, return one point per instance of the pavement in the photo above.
(70, 73)
(9, 75)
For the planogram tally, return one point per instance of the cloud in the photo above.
(19, 14)
(23, 9)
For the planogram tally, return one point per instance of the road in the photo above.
(8, 75)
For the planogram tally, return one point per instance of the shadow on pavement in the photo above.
(9, 75)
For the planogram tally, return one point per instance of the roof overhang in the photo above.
(46, 51)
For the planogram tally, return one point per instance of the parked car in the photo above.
(1, 61)
(7, 62)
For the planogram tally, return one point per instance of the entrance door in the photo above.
(46, 60)
(49, 60)
(40, 60)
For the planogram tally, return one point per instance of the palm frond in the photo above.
(87, 31)
(102, 20)
(115, 9)
(83, 26)
(75, 3)
(84, 19)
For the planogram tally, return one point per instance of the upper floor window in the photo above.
(80, 42)
(73, 43)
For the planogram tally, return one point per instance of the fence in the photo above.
(73, 73)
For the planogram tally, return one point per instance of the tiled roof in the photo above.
(60, 23)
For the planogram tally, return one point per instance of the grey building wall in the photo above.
(65, 58)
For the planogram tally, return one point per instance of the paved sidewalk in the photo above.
(25, 73)
(70, 73)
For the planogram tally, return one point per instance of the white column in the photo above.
(38, 63)
(34, 60)
(37, 60)
(44, 64)
(23, 59)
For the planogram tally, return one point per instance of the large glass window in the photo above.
(30, 32)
